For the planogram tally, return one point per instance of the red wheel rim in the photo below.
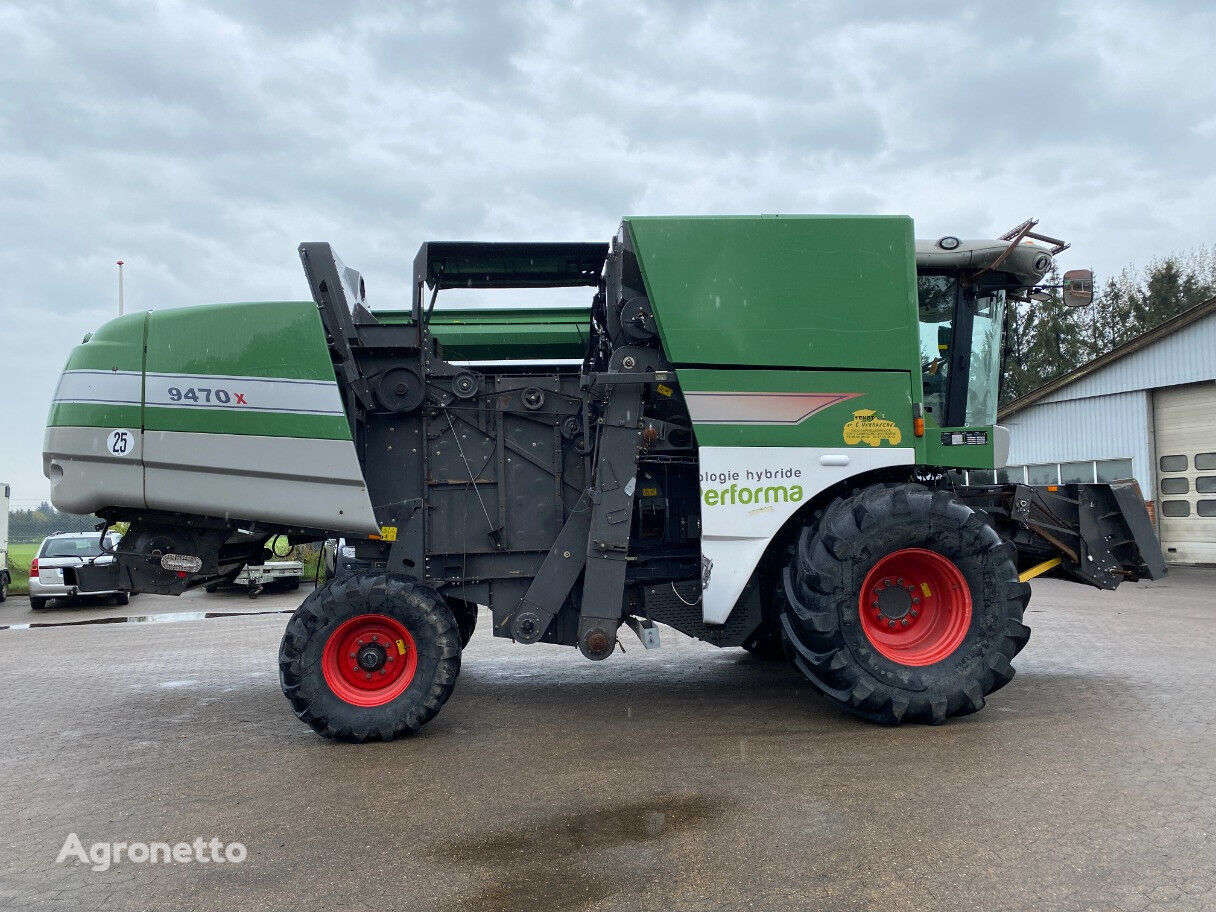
(369, 660)
(915, 607)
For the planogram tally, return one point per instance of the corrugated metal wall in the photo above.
(1109, 414)
(1187, 356)
(1116, 426)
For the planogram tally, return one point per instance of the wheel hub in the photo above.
(894, 601)
(371, 657)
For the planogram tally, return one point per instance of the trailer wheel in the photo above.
(370, 656)
(904, 605)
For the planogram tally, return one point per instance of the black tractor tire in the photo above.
(313, 683)
(874, 665)
(38, 604)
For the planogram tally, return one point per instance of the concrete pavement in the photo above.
(687, 778)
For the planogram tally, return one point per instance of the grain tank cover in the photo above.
(782, 291)
(479, 264)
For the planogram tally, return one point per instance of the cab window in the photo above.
(937, 295)
(984, 368)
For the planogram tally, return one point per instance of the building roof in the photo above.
(1168, 328)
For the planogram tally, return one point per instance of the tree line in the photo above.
(35, 525)
(1047, 339)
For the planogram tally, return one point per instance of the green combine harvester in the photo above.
(752, 434)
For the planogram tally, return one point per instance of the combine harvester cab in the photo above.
(752, 434)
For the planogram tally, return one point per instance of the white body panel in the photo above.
(748, 493)
(292, 480)
(216, 392)
(85, 476)
(1000, 447)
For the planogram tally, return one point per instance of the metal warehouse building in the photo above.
(1146, 410)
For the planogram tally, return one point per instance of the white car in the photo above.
(53, 571)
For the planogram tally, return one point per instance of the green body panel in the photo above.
(828, 302)
(797, 291)
(280, 341)
(277, 339)
(518, 334)
(259, 339)
(117, 346)
(91, 414)
(201, 421)
(888, 393)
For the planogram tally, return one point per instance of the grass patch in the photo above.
(19, 558)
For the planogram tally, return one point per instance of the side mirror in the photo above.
(1078, 288)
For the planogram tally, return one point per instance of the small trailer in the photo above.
(256, 577)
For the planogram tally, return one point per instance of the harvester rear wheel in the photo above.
(369, 656)
(904, 605)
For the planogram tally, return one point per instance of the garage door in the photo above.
(1185, 419)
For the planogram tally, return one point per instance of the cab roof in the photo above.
(1029, 261)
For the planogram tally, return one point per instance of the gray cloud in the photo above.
(202, 142)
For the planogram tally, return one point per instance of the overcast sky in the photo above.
(201, 143)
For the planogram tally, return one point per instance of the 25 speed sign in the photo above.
(120, 442)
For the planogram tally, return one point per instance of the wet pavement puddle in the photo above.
(552, 863)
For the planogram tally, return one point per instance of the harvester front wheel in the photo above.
(370, 656)
(904, 605)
